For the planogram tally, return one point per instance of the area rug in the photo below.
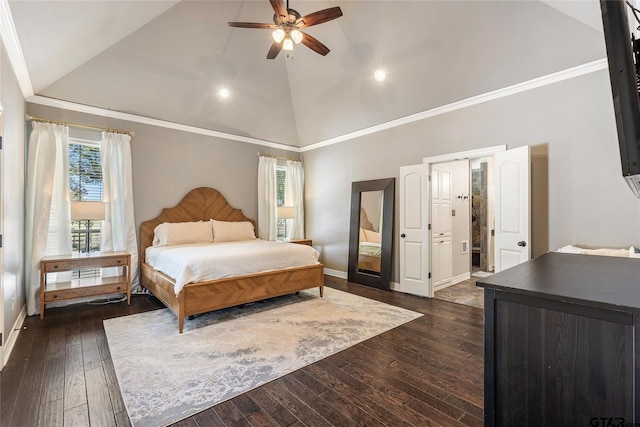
(165, 376)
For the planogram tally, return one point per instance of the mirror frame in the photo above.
(383, 281)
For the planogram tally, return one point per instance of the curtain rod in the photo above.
(278, 157)
(58, 122)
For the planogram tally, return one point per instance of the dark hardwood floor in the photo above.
(426, 372)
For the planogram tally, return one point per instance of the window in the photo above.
(85, 184)
(281, 174)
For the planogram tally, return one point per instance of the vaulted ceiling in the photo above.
(168, 59)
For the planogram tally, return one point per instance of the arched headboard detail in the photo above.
(200, 204)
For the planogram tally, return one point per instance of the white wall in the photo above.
(588, 203)
(13, 197)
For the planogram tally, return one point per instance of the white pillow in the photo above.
(229, 231)
(373, 236)
(179, 233)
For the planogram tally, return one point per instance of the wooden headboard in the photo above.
(200, 204)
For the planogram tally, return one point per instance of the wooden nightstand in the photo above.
(84, 287)
(302, 242)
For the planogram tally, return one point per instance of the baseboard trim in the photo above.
(461, 278)
(335, 273)
(13, 336)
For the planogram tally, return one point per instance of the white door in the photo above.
(441, 262)
(441, 225)
(414, 230)
(441, 189)
(512, 214)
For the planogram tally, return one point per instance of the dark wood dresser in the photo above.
(562, 339)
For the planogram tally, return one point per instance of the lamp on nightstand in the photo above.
(285, 213)
(87, 211)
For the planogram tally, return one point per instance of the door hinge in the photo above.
(0, 240)
(429, 227)
(0, 143)
(429, 178)
(429, 275)
(0, 339)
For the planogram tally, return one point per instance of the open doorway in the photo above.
(512, 193)
(472, 215)
(482, 217)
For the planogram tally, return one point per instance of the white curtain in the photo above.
(118, 231)
(294, 196)
(47, 221)
(267, 198)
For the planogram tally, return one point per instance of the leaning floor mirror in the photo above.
(371, 232)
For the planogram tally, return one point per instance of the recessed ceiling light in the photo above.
(224, 93)
(380, 75)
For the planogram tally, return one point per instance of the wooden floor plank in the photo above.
(77, 416)
(51, 414)
(207, 418)
(257, 416)
(75, 388)
(230, 415)
(425, 372)
(279, 390)
(100, 409)
(281, 415)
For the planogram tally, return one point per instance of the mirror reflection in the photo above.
(370, 237)
(371, 232)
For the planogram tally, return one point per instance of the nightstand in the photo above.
(302, 242)
(86, 286)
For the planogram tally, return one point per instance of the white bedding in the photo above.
(202, 262)
(370, 248)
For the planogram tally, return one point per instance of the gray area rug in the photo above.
(165, 376)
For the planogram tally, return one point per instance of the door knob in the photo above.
(403, 235)
(522, 243)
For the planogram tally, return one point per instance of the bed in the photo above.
(369, 250)
(204, 204)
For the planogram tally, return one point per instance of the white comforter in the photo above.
(211, 261)
(370, 248)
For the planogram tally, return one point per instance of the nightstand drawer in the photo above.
(61, 293)
(51, 266)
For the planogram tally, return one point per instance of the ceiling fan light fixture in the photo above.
(278, 35)
(287, 44)
(296, 36)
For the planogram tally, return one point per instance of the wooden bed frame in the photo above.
(203, 204)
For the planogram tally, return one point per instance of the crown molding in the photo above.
(569, 73)
(14, 50)
(81, 108)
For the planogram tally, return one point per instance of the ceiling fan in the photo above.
(287, 25)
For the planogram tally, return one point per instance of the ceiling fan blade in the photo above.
(279, 7)
(314, 44)
(250, 25)
(274, 50)
(319, 17)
